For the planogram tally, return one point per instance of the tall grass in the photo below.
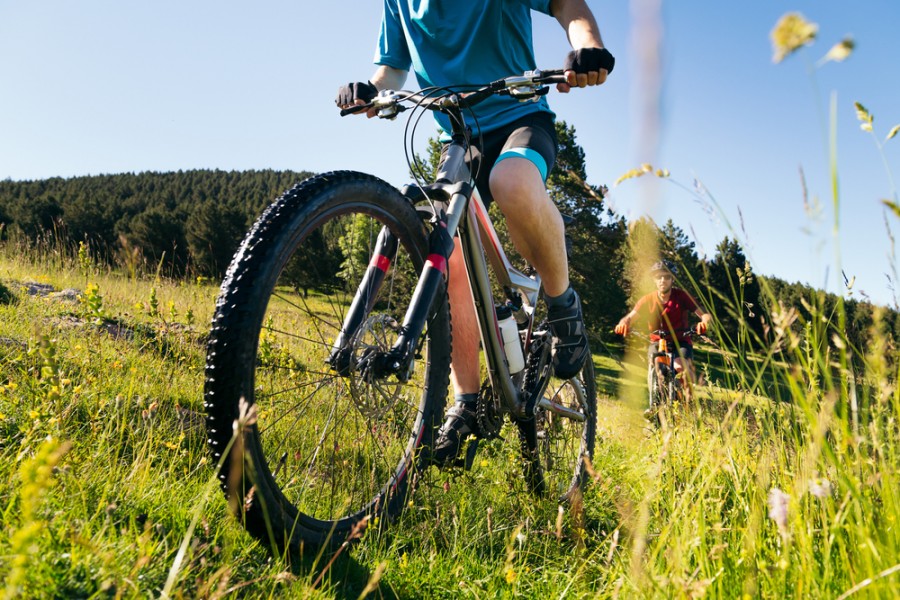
(792, 488)
(781, 481)
(746, 496)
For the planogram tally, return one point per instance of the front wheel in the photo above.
(312, 447)
(661, 391)
(558, 444)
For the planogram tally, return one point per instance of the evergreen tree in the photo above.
(735, 294)
(638, 253)
(214, 232)
(160, 237)
(676, 247)
(595, 236)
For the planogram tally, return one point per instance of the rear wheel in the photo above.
(556, 447)
(320, 447)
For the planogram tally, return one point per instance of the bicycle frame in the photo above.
(476, 255)
(455, 208)
(467, 216)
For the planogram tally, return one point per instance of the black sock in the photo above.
(467, 399)
(564, 300)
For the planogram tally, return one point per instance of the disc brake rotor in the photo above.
(374, 397)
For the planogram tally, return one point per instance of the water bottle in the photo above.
(512, 344)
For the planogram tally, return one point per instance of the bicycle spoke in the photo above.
(332, 442)
(293, 336)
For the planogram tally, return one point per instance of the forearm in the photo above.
(579, 23)
(388, 78)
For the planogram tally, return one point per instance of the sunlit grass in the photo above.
(675, 514)
(780, 480)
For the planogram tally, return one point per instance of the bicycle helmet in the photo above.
(664, 265)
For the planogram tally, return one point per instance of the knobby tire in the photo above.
(310, 457)
(555, 448)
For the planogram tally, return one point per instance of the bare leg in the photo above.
(464, 366)
(536, 229)
(535, 225)
(464, 357)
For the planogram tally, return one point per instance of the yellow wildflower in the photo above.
(863, 114)
(639, 172)
(894, 131)
(791, 33)
(629, 175)
(840, 51)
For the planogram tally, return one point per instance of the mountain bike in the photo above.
(328, 358)
(665, 378)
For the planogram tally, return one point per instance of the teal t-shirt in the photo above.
(453, 42)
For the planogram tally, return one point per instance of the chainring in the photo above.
(537, 364)
(487, 412)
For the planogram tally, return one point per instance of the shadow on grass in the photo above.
(607, 374)
(749, 373)
(343, 577)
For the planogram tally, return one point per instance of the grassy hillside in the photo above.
(106, 488)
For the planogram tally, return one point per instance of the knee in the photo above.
(507, 190)
(515, 183)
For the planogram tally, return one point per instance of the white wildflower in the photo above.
(778, 509)
(820, 487)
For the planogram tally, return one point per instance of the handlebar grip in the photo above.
(355, 109)
(553, 76)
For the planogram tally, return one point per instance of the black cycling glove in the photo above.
(350, 93)
(589, 59)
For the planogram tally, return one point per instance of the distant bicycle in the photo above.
(665, 377)
(330, 345)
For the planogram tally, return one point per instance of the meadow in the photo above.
(782, 479)
(761, 490)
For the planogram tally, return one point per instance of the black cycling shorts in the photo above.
(532, 137)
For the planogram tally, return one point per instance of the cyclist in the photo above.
(669, 309)
(514, 147)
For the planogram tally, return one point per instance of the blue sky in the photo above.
(95, 86)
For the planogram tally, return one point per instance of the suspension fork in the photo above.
(398, 360)
(383, 255)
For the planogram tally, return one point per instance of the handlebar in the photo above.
(526, 87)
(668, 335)
(663, 334)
